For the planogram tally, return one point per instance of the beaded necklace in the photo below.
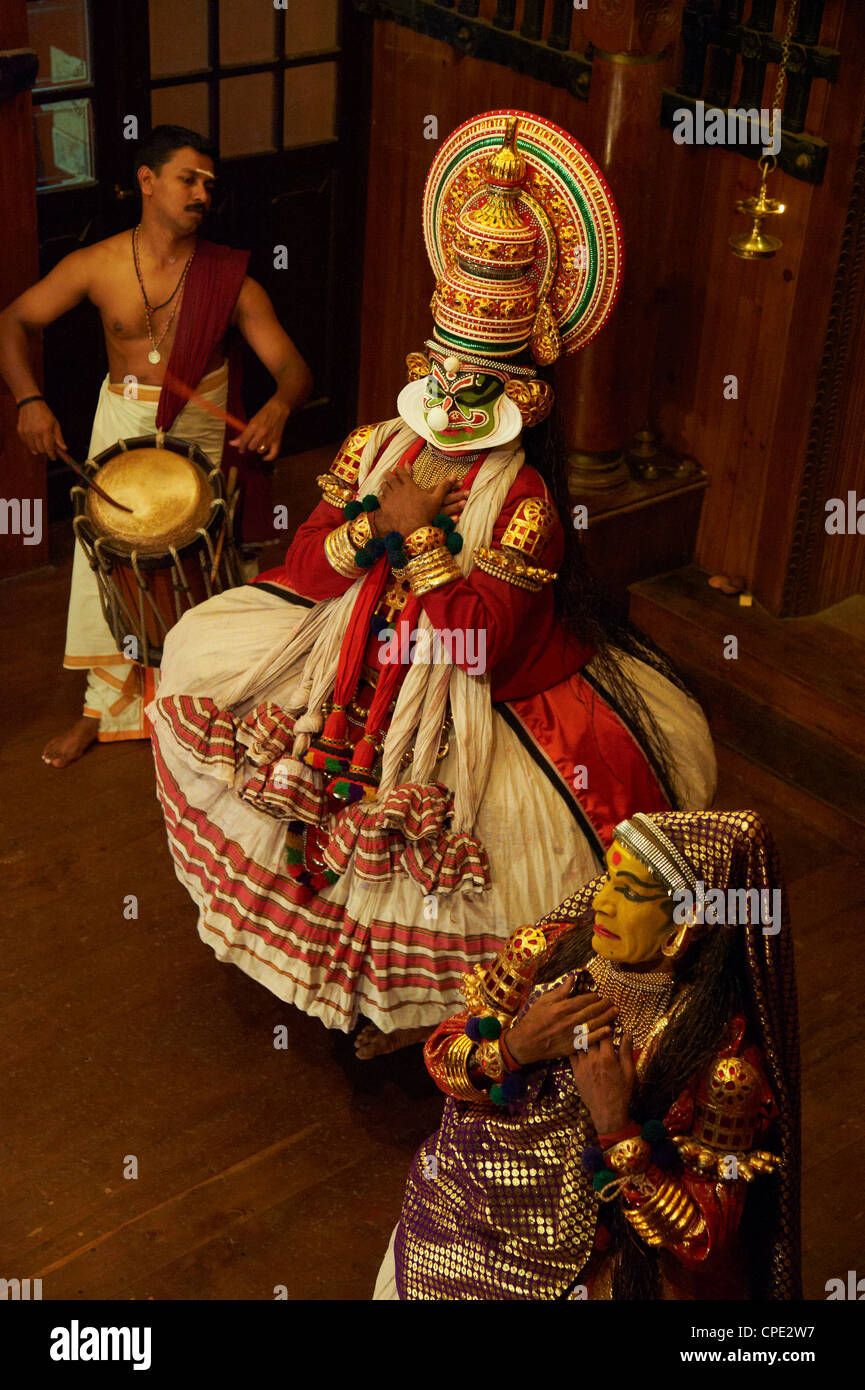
(432, 467)
(641, 999)
(155, 355)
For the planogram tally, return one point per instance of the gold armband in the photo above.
(334, 491)
(340, 552)
(455, 1069)
(668, 1217)
(431, 570)
(513, 569)
(422, 539)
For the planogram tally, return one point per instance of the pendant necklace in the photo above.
(154, 355)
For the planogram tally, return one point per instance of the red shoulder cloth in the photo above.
(209, 296)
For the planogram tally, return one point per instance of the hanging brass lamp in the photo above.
(756, 244)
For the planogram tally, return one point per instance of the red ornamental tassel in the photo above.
(364, 754)
(358, 782)
(331, 751)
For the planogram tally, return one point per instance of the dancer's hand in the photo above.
(605, 1079)
(263, 434)
(455, 501)
(549, 1028)
(39, 429)
(405, 506)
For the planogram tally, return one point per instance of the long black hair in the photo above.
(592, 614)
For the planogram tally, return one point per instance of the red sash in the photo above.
(209, 296)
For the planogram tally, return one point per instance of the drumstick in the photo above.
(229, 511)
(187, 392)
(96, 488)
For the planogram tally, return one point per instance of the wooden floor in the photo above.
(260, 1167)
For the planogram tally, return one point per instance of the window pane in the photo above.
(310, 104)
(181, 106)
(178, 37)
(58, 32)
(309, 28)
(64, 143)
(247, 33)
(246, 114)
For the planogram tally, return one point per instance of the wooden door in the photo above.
(282, 92)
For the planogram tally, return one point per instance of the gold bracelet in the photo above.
(431, 570)
(670, 1215)
(456, 1068)
(333, 490)
(489, 1059)
(422, 539)
(360, 530)
(632, 1155)
(340, 552)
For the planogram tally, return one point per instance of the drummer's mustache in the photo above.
(197, 207)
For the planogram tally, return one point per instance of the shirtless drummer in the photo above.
(152, 286)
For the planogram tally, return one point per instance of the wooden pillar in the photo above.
(603, 391)
(22, 476)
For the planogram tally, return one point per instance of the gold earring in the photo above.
(534, 399)
(418, 366)
(677, 942)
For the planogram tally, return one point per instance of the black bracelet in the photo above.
(28, 399)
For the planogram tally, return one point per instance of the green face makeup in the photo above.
(469, 402)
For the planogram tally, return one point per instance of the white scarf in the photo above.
(422, 699)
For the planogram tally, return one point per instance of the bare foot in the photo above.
(371, 1042)
(68, 747)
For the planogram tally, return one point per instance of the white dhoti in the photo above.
(377, 948)
(117, 688)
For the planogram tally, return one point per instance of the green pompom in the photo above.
(351, 510)
(444, 523)
(336, 765)
(341, 788)
(497, 1095)
(331, 875)
(363, 559)
(370, 503)
(489, 1027)
(398, 559)
(293, 856)
(600, 1180)
(454, 542)
(654, 1131)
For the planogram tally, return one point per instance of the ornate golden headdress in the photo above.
(523, 237)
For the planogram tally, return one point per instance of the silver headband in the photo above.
(489, 364)
(648, 844)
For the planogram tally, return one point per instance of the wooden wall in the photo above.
(764, 322)
(21, 474)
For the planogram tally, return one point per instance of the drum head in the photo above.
(169, 494)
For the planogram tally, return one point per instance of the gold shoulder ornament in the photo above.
(347, 462)
(725, 1124)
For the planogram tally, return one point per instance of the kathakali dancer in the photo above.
(623, 1103)
(379, 757)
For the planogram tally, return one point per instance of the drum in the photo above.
(171, 551)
